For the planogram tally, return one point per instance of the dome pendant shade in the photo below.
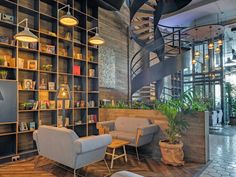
(26, 36)
(96, 40)
(68, 20)
(197, 54)
(206, 57)
(211, 46)
(220, 42)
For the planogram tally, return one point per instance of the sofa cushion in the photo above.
(128, 136)
(130, 124)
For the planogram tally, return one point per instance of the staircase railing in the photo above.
(173, 40)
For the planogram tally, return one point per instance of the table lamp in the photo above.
(63, 93)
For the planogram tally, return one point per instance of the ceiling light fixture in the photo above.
(67, 19)
(206, 57)
(26, 35)
(220, 42)
(197, 54)
(96, 39)
(211, 45)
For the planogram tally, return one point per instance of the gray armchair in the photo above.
(138, 131)
(65, 147)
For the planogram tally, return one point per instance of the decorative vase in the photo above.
(172, 154)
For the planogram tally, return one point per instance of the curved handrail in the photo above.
(152, 46)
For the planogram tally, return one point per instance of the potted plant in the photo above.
(172, 146)
(177, 111)
(3, 74)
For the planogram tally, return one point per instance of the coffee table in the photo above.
(117, 143)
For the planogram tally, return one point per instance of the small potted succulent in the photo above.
(3, 74)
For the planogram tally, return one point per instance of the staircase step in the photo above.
(142, 30)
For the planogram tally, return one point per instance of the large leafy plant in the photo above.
(174, 109)
(176, 123)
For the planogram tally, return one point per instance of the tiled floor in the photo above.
(222, 154)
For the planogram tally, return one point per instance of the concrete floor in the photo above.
(222, 154)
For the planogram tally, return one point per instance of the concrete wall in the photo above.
(114, 55)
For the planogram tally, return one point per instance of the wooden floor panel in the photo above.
(147, 168)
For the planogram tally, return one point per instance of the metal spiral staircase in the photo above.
(162, 51)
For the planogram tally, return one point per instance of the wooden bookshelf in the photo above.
(66, 47)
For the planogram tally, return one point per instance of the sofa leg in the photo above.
(136, 148)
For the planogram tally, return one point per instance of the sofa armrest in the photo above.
(91, 143)
(35, 135)
(147, 130)
(110, 124)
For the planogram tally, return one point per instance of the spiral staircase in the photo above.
(163, 52)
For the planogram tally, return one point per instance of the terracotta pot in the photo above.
(172, 154)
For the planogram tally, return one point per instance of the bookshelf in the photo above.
(55, 58)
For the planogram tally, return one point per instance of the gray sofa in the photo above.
(138, 131)
(65, 147)
(125, 174)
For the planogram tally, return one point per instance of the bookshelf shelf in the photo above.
(44, 23)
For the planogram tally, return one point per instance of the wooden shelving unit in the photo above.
(71, 49)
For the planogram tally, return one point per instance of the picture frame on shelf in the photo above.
(51, 85)
(32, 64)
(23, 126)
(52, 104)
(7, 18)
(27, 84)
(50, 49)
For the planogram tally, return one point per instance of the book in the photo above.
(32, 126)
(76, 70)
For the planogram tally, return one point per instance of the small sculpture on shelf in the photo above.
(91, 72)
(68, 36)
(23, 126)
(47, 67)
(43, 85)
